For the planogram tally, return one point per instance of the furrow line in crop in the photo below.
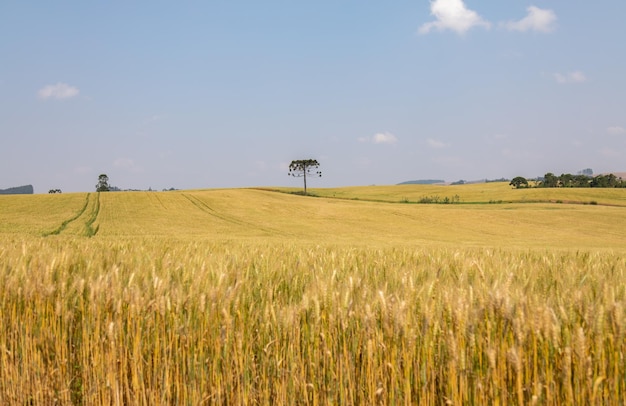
(63, 225)
(90, 231)
(212, 212)
(155, 196)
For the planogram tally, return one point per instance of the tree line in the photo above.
(550, 180)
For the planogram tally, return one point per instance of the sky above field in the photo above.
(210, 94)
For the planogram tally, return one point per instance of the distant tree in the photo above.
(54, 191)
(103, 183)
(519, 182)
(581, 181)
(608, 180)
(303, 168)
(566, 180)
(550, 180)
(496, 180)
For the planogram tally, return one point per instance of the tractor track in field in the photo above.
(158, 199)
(89, 230)
(75, 217)
(201, 205)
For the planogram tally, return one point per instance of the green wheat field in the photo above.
(354, 296)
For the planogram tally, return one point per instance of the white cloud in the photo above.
(616, 130)
(572, 77)
(453, 15)
(384, 138)
(436, 144)
(536, 20)
(59, 91)
(380, 138)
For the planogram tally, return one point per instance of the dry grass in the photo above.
(246, 303)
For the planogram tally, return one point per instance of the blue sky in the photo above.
(226, 93)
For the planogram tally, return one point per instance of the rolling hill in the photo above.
(244, 296)
(372, 216)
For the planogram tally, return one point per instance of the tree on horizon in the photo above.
(519, 182)
(303, 168)
(103, 183)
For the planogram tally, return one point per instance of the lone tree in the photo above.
(303, 168)
(519, 182)
(103, 183)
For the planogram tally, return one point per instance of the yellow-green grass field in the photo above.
(243, 296)
(475, 193)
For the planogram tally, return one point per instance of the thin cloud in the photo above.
(453, 15)
(616, 130)
(380, 138)
(436, 143)
(261, 165)
(537, 19)
(496, 139)
(610, 153)
(127, 164)
(83, 169)
(58, 91)
(571, 77)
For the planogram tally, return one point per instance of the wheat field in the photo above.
(242, 296)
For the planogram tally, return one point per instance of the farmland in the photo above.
(357, 296)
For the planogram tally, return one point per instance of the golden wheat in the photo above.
(246, 303)
(179, 322)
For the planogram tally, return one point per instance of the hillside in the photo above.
(18, 190)
(246, 214)
(477, 193)
(422, 182)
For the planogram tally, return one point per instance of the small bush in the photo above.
(438, 200)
